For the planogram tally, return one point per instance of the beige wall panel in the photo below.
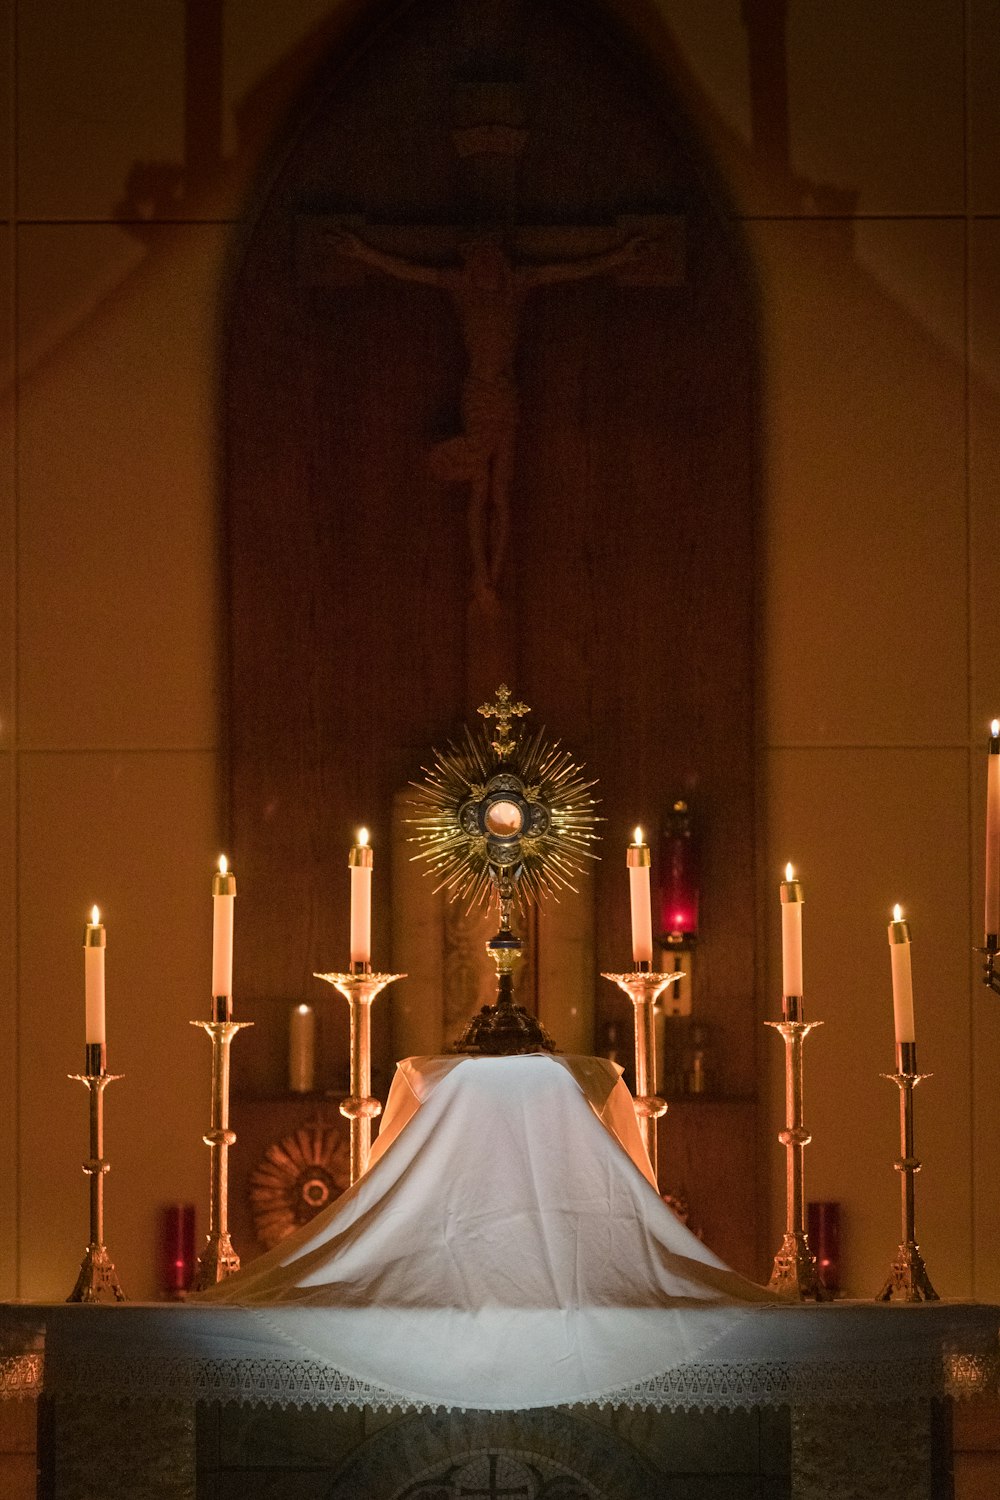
(984, 391)
(862, 81)
(8, 530)
(8, 1032)
(100, 91)
(865, 828)
(984, 107)
(864, 533)
(137, 833)
(6, 107)
(984, 473)
(118, 618)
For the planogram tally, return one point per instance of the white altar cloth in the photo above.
(505, 1247)
(504, 1252)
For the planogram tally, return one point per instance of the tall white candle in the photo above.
(993, 831)
(791, 934)
(360, 863)
(301, 1049)
(902, 977)
(223, 902)
(93, 977)
(637, 861)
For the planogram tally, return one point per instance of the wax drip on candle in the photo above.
(93, 957)
(902, 978)
(992, 892)
(637, 860)
(360, 862)
(223, 901)
(791, 945)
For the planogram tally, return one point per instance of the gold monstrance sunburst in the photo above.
(507, 819)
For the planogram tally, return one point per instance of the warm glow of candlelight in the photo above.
(363, 837)
(223, 864)
(95, 916)
(638, 836)
(897, 913)
(303, 1010)
(789, 871)
(995, 728)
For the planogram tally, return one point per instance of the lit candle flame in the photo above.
(995, 728)
(638, 836)
(789, 871)
(95, 917)
(303, 1010)
(223, 864)
(363, 837)
(897, 913)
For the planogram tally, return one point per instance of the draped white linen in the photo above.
(505, 1248)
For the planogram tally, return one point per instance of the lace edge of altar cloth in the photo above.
(713, 1385)
(730, 1383)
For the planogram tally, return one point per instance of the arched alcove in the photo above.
(621, 438)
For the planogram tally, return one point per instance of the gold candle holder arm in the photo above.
(908, 1279)
(97, 1280)
(644, 988)
(360, 989)
(218, 1258)
(794, 1274)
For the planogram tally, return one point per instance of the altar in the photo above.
(501, 1305)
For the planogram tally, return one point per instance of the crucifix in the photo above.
(488, 269)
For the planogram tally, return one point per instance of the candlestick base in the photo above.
(908, 1279)
(991, 978)
(98, 1279)
(217, 1260)
(794, 1275)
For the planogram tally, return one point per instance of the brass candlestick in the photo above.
(218, 1259)
(794, 1274)
(360, 989)
(908, 1280)
(643, 987)
(98, 1279)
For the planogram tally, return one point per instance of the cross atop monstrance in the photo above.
(503, 710)
(487, 264)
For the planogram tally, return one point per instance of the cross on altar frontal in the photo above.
(494, 1489)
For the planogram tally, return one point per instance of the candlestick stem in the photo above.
(794, 1274)
(643, 989)
(360, 990)
(218, 1259)
(908, 1279)
(98, 1279)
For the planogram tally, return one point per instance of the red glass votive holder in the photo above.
(823, 1229)
(177, 1257)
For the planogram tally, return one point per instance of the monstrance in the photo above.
(504, 819)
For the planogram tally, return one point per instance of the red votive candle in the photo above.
(679, 878)
(823, 1221)
(176, 1249)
